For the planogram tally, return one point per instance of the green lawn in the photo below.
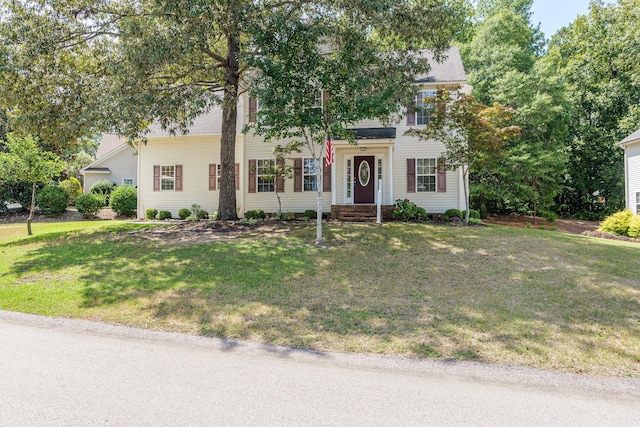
(497, 294)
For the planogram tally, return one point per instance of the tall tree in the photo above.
(470, 131)
(26, 162)
(597, 58)
(44, 90)
(170, 61)
(504, 65)
(319, 77)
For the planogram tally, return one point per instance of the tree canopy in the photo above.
(170, 61)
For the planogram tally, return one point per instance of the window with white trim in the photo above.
(168, 178)
(425, 101)
(265, 176)
(127, 181)
(638, 203)
(309, 178)
(218, 169)
(317, 103)
(426, 175)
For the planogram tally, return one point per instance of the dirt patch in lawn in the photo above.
(203, 231)
(565, 225)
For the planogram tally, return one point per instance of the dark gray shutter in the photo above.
(253, 107)
(326, 178)
(442, 175)
(297, 175)
(156, 177)
(411, 175)
(252, 176)
(178, 177)
(212, 176)
(279, 177)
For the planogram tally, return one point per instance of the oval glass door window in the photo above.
(364, 173)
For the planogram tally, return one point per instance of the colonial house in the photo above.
(175, 172)
(116, 161)
(631, 146)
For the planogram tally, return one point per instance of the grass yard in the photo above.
(496, 294)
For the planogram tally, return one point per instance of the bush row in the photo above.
(195, 213)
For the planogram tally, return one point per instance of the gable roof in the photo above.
(109, 143)
(634, 137)
(450, 69)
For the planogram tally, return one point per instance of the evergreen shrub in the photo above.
(124, 200)
(89, 205)
(52, 200)
(151, 213)
(73, 187)
(255, 214)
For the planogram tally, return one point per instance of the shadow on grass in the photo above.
(411, 289)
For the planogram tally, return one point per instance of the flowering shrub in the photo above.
(406, 210)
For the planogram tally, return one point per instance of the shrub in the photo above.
(150, 213)
(475, 220)
(124, 200)
(164, 215)
(549, 216)
(472, 214)
(89, 205)
(310, 214)
(53, 200)
(197, 213)
(634, 227)
(73, 187)
(617, 223)
(184, 213)
(452, 213)
(421, 214)
(255, 214)
(288, 216)
(104, 187)
(404, 210)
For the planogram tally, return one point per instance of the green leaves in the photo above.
(25, 161)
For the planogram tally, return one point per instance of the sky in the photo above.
(555, 14)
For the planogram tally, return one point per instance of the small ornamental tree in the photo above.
(25, 161)
(315, 79)
(469, 130)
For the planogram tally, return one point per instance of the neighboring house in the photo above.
(176, 172)
(631, 146)
(116, 161)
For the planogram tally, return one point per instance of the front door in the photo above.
(363, 179)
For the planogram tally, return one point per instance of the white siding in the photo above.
(256, 148)
(412, 148)
(632, 154)
(123, 164)
(194, 153)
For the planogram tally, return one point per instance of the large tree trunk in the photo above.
(227, 198)
(32, 209)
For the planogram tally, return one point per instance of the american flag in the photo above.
(331, 154)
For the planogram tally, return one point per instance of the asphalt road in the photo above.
(65, 372)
